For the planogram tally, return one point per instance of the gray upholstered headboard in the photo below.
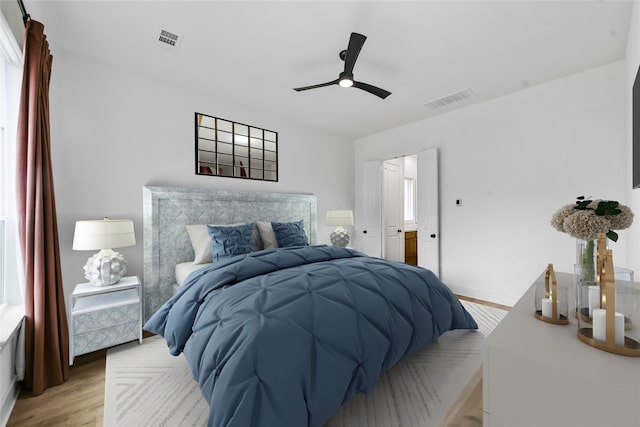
(167, 210)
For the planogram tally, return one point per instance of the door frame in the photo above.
(377, 248)
(399, 162)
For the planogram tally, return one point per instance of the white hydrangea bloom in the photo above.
(557, 220)
(586, 225)
(622, 220)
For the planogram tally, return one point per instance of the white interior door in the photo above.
(428, 211)
(392, 211)
(371, 215)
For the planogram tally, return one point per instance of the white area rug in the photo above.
(146, 386)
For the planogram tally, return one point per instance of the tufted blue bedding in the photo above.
(283, 337)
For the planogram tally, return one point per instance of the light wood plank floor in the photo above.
(466, 411)
(77, 402)
(80, 400)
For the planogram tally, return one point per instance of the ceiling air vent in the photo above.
(168, 41)
(452, 98)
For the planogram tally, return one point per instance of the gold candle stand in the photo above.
(556, 318)
(607, 283)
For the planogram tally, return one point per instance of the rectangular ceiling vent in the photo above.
(169, 41)
(452, 98)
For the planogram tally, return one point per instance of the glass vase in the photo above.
(586, 257)
(584, 270)
(585, 267)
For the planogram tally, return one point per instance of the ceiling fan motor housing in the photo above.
(345, 79)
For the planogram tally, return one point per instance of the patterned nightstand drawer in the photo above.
(107, 337)
(100, 319)
(104, 316)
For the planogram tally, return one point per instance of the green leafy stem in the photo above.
(604, 208)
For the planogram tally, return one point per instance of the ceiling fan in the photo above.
(345, 79)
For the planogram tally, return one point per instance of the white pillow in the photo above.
(201, 242)
(267, 234)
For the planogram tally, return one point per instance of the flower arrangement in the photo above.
(587, 218)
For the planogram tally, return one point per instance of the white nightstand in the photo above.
(104, 316)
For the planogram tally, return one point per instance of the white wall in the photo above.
(113, 132)
(632, 64)
(515, 160)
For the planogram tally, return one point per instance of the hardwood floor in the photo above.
(466, 411)
(80, 401)
(487, 303)
(77, 402)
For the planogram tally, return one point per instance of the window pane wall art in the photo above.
(235, 150)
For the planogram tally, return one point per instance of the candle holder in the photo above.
(551, 300)
(608, 318)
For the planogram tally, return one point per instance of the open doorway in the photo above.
(384, 224)
(399, 201)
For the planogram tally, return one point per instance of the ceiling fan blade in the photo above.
(335, 82)
(353, 50)
(372, 89)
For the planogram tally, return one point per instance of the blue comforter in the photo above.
(284, 337)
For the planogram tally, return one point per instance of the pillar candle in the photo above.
(600, 326)
(547, 307)
(594, 299)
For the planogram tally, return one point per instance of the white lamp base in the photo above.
(105, 268)
(339, 237)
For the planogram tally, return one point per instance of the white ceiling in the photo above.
(254, 53)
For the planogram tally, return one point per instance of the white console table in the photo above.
(540, 374)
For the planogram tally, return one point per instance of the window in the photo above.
(409, 200)
(2, 267)
(3, 202)
(10, 82)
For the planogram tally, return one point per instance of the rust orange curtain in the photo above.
(46, 331)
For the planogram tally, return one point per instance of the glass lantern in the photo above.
(583, 282)
(551, 300)
(608, 316)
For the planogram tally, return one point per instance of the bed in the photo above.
(168, 210)
(284, 336)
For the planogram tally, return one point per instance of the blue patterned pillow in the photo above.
(229, 241)
(290, 233)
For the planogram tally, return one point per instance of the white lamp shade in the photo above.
(103, 234)
(340, 217)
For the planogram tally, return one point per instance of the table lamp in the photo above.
(339, 218)
(107, 266)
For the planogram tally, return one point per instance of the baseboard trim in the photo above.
(9, 402)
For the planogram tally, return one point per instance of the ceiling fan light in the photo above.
(345, 82)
